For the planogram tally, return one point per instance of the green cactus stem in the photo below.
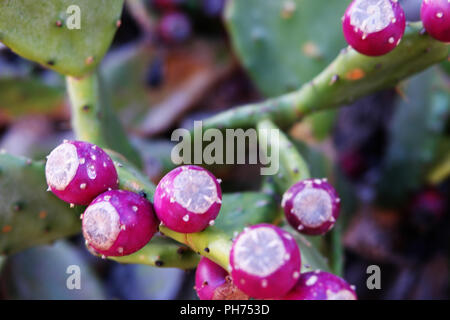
(48, 32)
(92, 118)
(292, 166)
(29, 215)
(349, 77)
(162, 253)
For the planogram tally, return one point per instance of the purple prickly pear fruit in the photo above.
(174, 27)
(311, 206)
(435, 15)
(188, 199)
(212, 282)
(119, 223)
(265, 261)
(374, 27)
(321, 285)
(78, 171)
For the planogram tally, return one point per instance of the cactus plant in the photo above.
(240, 233)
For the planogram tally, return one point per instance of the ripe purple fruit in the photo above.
(311, 206)
(435, 15)
(212, 282)
(265, 261)
(374, 27)
(321, 285)
(78, 171)
(188, 199)
(118, 223)
(174, 27)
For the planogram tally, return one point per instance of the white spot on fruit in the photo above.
(62, 165)
(439, 15)
(296, 275)
(391, 40)
(186, 218)
(371, 15)
(259, 252)
(83, 186)
(195, 190)
(312, 207)
(135, 208)
(101, 225)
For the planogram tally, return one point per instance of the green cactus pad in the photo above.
(39, 30)
(47, 272)
(29, 215)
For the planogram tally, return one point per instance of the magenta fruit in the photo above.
(174, 28)
(188, 199)
(321, 285)
(374, 27)
(78, 171)
(212, 282)
(311, 206)
(265, 261)
(435, 15)
(118, 223)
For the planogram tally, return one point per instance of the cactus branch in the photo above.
(92, 118)
(349, 77)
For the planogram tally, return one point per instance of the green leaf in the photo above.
(39, 31)
(29, 215)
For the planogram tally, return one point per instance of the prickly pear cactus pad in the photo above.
(39, 30)
(29, 215)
